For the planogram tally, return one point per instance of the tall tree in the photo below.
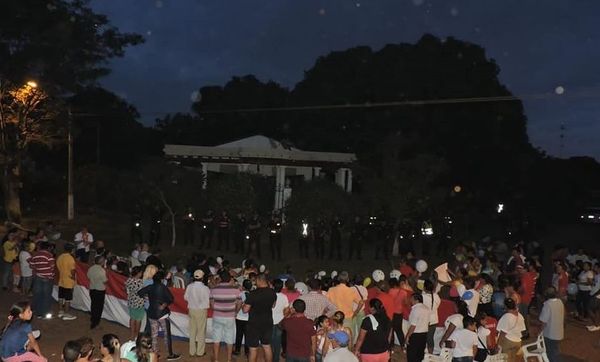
(61, 45)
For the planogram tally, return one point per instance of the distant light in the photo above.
(137, 224)
(158, 221)
(321, 12)
(273, 231)
(49, 315)
(304, 229)
(590, 216)
(427, 231)
(457, 188)
(32, 84)
(190, 215)
(247, 237)
(559, 90)
(500, 208)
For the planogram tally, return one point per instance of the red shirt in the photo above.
(404, 297)
(445, 310)
(527, 292)
(406, 270)
(300, 330)
(388, 303)
(291, 295)
(371, 293)
(563, 283)
(491, 324)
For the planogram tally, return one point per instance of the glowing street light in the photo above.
(500, 208)
(32, 84)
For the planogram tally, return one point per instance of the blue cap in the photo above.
(341, 338)
(468, 295)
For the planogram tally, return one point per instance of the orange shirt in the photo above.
(343, 297)
(528, 280)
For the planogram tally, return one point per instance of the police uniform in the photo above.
(275, 237)
(319, 239)
(356, 238)
(223, 231)
(206, 233)
(335, 238)
(254, 235)
(239, 233)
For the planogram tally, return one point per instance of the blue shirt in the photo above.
(14, 339)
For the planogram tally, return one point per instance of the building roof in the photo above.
(257, 149)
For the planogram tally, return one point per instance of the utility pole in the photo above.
(70, 201)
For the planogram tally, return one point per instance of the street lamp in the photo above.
(32, 84)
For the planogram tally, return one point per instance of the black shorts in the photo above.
(65, 293)
(258, 334)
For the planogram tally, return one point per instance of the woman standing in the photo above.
(337, 324)
(159, 299)
(585, 280)
(511, 327)
(18, 343)
(373, 342)
(135, 304)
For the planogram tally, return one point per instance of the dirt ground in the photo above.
(579, 344)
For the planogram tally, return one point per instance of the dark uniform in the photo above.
(357, 236)
(136, 226)
(254, 236)
(223, 231)
(445, 236)
(335, 238)
(189, 220)
(274, 228)
(239, 233)
(155, 226)
(206, 233)
(382, 234)
(304, 239)
(319, 231)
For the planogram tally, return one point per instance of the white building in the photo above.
(268, 157)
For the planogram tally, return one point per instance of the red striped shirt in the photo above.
(43, 264)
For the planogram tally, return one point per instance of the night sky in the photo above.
(542, 48)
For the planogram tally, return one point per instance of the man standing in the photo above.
(339, 348)
(197, 296)
(275, 237)
(239, 232)
(301, 334)
(225, 301)
(335, 238)
(223, 231)
(206, 233)
(416, 337)
(552, 317)
(66, 281)
(344, 298)
(316, 303)
(259, 304)
(356, 238)
(42, 264)
(97, 276)
(83, 240)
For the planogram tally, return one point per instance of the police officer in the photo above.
(239, 232)
(189, 219)
(136, 225)
(319, 232)
(206, 233)
(155, 224)
(357, 236)
(304, 239)
(254, 235)
(445, 235)
(274, 228)
(335, 238)
(382, 237)
(223, 230)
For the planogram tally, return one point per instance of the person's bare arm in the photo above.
(360, 341)
(313, 347)
(447, 334)
(410, 331)
(33, 345)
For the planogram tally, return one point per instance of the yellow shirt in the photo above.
(65, 264)
(10, 251)
(344, 297)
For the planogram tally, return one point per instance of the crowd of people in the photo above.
(476, 304)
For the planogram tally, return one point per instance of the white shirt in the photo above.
(280, 304)
(25, 268)
(432, 306)
(583, 278)
(341, 354)
(472, 303)
(197, 296)
(241, 315)
(465, 339)
(482, 334)
(553, 316)
(512, 325)
(456, 320)
(84, 241)
(143, 255)
(574, 258)
(596, 287)
(419, 317)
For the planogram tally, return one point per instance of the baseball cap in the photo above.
(198, 274)
(341, 337)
